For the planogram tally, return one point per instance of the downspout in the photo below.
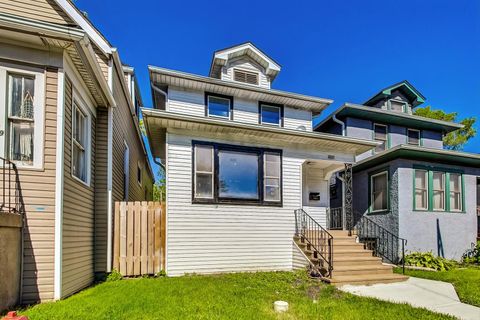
(157, 89)
(109, 172)
(334, 118)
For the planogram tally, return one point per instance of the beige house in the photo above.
(69, 122)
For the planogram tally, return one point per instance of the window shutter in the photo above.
(247, 77)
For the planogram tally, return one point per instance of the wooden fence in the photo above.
(139, 238)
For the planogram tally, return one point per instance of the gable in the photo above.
(248, 65)
(43, 10)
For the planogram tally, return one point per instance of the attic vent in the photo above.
(244, 76)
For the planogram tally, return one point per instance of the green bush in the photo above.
(428, 260)
(115, 275)
(472, 256)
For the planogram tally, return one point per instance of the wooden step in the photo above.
(362, 269)
(352, 254)
(349, 261)
(367, 279)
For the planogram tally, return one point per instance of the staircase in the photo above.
(347, 260)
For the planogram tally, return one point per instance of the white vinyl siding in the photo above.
(186, 101)
(297, 119)
(245, 65)
(299, 261)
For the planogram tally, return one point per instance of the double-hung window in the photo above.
(236, 175)
(413, 137)
(437, 189)
(270, 114)
(380, 135)
(379, 191)
(80, 142)
(218, 106)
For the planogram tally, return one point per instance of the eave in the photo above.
(420, 154)
(158, 121)
(391, 117)
(161, 76)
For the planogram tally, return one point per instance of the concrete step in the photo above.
(360, 261)
(366, 279)
(362, 269)
(350, 249)
(352, 254)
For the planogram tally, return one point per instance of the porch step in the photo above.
(366, 279)
(361, 270)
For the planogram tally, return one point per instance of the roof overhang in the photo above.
(157, 122)
(416, 98)
(391, 117)
(420, 154)
(161, 76)
(221, 57)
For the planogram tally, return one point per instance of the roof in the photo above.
(157, 121)
(420, 154)
(195, 82)
(406, 87)
(220, 58)
(386, 116)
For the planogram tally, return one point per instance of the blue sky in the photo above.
(342, 50)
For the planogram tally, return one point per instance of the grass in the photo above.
(466, 281)
(230, 296)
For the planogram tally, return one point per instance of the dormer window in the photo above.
(218, 106)
(397, 105)
(245, 76)
(271, 114)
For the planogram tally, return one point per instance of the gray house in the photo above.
(409, 184)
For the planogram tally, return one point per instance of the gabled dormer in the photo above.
(401, 97)
(244, 63)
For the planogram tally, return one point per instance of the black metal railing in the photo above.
(318, 239)
(381, 241)
(335, 218)
(10, 193)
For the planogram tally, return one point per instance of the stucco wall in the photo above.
(432, 139)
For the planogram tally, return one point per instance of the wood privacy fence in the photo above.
(139, 238)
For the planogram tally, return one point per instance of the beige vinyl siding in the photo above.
(124, 129)
(78, 213)
(297, 119)
(38, 198)
(247, 65)
(43, 10)
(298, 258)
(101, 195)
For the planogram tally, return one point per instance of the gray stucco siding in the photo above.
(432, 139)
(397, 135)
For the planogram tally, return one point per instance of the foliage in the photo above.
(160, 274)
(472, 256)
(428, 260)
(159, 190)
(457, 139)
(115, 275)
(228, 296)
(465, 280)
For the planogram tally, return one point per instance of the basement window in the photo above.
(245, 76)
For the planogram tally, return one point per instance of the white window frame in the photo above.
(444, 180)
(265, 177)
(372, 199)
(228, 117)
(419, 137)
(426, 189)
(279, 124)
(39, 113)
(212, 173)
(78, 102)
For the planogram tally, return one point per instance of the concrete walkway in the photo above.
(433, 295)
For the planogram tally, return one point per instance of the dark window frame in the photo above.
(419, 137)
(282, 113)
(260, 180)
(222, 96)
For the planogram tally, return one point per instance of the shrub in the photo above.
(160, 274)
(115, 275)
(428, 260)
(472, 256)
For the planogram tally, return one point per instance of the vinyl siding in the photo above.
(297, 119)
(102, 61)
(39, 204)
(225, 238)
(43, 10)
(247, 65)
(78, 212)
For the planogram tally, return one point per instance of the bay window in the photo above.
(236, 175)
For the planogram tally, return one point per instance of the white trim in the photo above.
(73, 13)
(79, 84)
(126, 171)
(195, 171)
(228, 117)
(78, 102)
(109, 173)
(59, 175)
(372, 200)
(279, 124)
(166, 202)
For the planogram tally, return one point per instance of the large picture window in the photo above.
(237, 175)
(379, 191)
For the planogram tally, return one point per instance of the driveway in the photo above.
(433, 295)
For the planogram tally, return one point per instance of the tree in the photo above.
(159, 190)
(454, 140)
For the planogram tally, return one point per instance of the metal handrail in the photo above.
(10, 194)
(383, 242)
(317, 237)
(335, 218)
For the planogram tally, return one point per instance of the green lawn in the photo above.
(465, 280)
(231, 296)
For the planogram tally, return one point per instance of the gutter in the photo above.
(334, 118)
(157, 89)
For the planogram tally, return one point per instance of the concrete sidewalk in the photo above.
(433, 295)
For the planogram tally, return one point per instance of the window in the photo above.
(270, 114)
(379, 191)
(455, 181)
(421, 190)
(438, 188)
(236, 175)
(380, 135)
(80, 143)
(245, 76)
(413, 137)
(219, 106)
(126, 171)
(397, 105)
(139, 174)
